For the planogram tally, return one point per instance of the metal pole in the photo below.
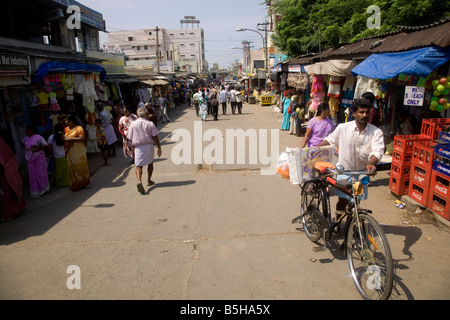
(157, 49)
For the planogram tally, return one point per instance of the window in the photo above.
(149, 33)
(192, 44)
(130, 38)
(138, 48)
(145, 47)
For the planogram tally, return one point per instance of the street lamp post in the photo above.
(266, 62)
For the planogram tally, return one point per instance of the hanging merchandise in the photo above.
(365, 84)
(348, 88)
(43, 100)
(334, 89)
(33, 100)
(87, 89)
(54, 106)
(317, 92)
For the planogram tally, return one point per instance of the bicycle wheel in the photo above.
(369, 257)
(312, 195)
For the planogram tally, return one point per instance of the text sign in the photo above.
(414, 96)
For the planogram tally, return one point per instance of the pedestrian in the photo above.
(75, 145)
(107, 121)
(143, 134)
(151, 113)
(223, 98)
(285, 102)
(360, 147)
(374, 116)
(233, 100)
(124, 124)
(34, 146)
(60, 177)
(12, 203)
(214, 106)
(203, 107)
(239, 99)
(208, 101)
(319, 127)
(102, 144)
(195, 99)
(163, 101)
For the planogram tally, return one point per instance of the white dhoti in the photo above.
(144, 155)
(110, 134)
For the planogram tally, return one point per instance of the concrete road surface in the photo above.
(203, 232)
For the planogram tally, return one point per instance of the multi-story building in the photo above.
(166, 49)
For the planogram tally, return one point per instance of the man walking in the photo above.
(111, 136)
(214, 106)
(143, 134)
(163, 101)
(223, 97)
(239, 99)
(233, 100)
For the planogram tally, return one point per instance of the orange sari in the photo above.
(77, 164)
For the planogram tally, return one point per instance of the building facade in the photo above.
(166, 49)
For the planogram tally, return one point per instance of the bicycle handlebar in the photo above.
(352, 173)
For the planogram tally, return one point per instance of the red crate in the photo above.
(405, 143)
(423, 154)
(420, 175)
(401, 158)
(432, 127)
(418, 193)
(400, 171)
(439, 204)
(440, 184)
(399, 186)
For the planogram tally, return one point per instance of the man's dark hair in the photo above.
(361, 103)
(369, 96)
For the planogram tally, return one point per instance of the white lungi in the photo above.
(144, 155)
(110, 134)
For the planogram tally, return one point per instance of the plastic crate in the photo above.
(405, 143)
(440, 183)
(444, 137)
(432, 127)
(418, 193)
(442, 150)
(420, 175)
(402, 158)
(439, 204)
(423, 154)
(442, 168)
(400, 171)
(399, 186)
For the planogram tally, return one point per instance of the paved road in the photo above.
(203, 232)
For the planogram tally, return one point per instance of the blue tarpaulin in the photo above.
(60, 66)
(420, 62)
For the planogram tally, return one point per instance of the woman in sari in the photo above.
(203, 107)
(286, 124)
(12, 203)
(319, 127)
(60, 176)
(75, 145)
(34, 146)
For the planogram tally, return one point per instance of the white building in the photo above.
(182, 48)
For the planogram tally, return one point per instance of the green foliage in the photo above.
(330, 23)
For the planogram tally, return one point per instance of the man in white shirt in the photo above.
(360, 145)
(143, 134)
(195, 98)
(233, 100)
(223, 97)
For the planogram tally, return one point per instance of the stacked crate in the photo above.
(421, 168)
(438, 199)
(402, 156)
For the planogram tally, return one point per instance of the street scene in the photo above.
(187, 162)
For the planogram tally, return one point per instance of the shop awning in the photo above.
(156, 82)
(420, 62)
(69, 67)
(120, 78)
(339, 68)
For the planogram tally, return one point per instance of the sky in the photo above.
(219, 20)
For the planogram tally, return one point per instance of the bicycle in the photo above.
(365, 243)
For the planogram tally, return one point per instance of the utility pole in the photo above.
(266, 51)
(157, 49)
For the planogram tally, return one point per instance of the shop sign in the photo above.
(113, 63)
(14, 65)
(414, 96)
(294, 68)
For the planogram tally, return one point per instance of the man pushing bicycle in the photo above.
(360, 146)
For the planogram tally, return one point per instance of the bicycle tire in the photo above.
(371, 263)
(312, 194)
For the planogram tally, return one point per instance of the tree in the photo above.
(329, 23)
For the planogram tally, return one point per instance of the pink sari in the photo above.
(37, 166)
